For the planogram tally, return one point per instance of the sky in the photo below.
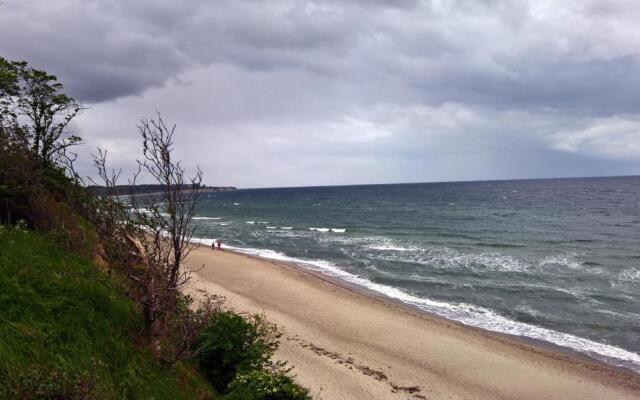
(298, 93)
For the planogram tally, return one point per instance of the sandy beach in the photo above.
(347, 345)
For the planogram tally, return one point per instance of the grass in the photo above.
(66, 333)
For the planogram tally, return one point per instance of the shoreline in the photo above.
(543, 352)
(539, 344)
(303, 266)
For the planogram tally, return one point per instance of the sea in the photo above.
(553, 260)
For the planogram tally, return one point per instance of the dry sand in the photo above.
(346, 345)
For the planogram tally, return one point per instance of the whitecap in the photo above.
(338, 230)
(391, 248)
(630, 275)
(447, 258)
(251, 222)
(206, 218)
(566, 261)
(286, 227)
(563, 260)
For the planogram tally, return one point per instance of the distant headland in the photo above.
(151, 189)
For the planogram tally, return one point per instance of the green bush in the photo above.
(266, 385)
(232, 344)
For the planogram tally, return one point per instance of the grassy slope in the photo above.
(63, 329)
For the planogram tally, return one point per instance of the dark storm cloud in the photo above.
(356, 91)
(594, 87)
(487, 52)
(96, 50)
(105, 50)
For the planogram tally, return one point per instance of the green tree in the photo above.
(35, 111)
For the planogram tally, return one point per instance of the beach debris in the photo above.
(377, 375)
(350, 363)
(407, 389)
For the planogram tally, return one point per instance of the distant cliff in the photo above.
(149, 189)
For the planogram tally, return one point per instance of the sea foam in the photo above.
(336, 230)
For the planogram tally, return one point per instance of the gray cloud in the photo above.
(540, 54)
(302, 92)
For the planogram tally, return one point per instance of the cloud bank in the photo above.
(334, 92)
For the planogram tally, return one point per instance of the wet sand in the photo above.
(344, 344)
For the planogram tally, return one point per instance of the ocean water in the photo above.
(553, 260)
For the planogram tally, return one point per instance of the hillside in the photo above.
(65, 331)
(92, 289)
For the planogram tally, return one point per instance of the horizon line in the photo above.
(434, 182)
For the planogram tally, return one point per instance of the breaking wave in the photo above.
(336, 230)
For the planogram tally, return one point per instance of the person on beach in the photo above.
(213, 246)
(219, 243)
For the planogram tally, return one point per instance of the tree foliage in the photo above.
(35, 111)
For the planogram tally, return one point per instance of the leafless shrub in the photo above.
(159, 230)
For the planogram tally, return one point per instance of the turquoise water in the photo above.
(554, 260)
